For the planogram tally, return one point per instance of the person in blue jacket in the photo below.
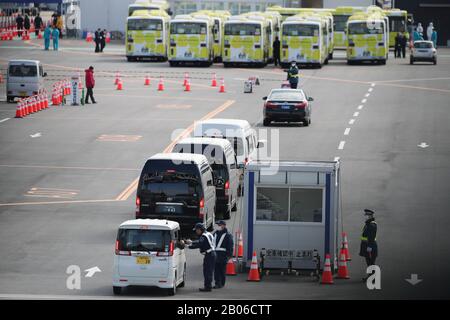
(207, 247)
(434, 37)
(55, 36)
(47, 36)
(224, 251)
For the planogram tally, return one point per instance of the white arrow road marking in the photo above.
(414, 279)
(36, 135)
(91, 271)
(341, 145)
(6, 119)
(347, 131)
(423, 145)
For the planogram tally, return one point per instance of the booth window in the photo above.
(289, 204)
(272, 204)
(306, 205)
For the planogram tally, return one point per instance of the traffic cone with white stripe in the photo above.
(222, 86)
(186, 79)
(214, 81)
(345, 246)
(187, 87)
(327, 276)
(231, 270)
(119, 85)
(19, 109)
(34, 104)
(147, 81)
(116, 81)
(253, 274)
(28, 106)
(161, 84)
(343, 270)
(240, 246)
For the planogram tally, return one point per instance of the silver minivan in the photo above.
(223, 162)
(24, 78)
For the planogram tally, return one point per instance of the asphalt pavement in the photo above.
(65, 192)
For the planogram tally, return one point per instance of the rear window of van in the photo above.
(22, 71)
(143, 240)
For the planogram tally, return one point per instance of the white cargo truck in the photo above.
(292, 213)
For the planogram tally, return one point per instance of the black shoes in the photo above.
(204, 289)
(217, 287)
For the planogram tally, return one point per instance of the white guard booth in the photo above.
(290, 210)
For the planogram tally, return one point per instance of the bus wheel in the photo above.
(383, 61)
(330, 56)
(326, 61)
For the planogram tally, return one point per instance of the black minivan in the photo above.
(177, 187)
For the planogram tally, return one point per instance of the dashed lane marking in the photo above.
(51, 193)
(341, 145)
(367, 95)
(363, 100)
(370, 89)
(352, 121)
(356, 114)
(336, 158)
(347, 131)
(3, 120)
(118, 138)
(360, 107)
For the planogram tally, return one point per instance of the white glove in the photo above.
(369, 249)
(188, 241)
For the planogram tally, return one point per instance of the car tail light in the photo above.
(138, 206)
(121, 253)
(270, 105)
(167, 253)
(201, 205)
(227, 187)
(301, 105)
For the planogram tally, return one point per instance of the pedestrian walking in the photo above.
(206, 245)
(102, 40)
(90, 84)
(55, 38)
(276, 51)
(47, 36)
(369, 246)
(27, 24)
(97, 40)
(402, 43)
(434, 38)
(397, 46)
(37, 24)
(430, 31)
(224, 251)
(19, 23)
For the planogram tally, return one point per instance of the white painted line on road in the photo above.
(337, 158)
(367, 95)
(373, 84)
(341, 145)
(6, 119)
(347, 131)
(356, 114)
(360, 107)
(36, 135)
(352, 121)
(363, 100)
(370, 89)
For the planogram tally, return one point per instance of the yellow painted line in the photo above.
(118, 138)
(65, 168)
(125, 194)
(54, 202)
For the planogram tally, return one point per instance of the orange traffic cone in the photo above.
(327, 276)
(38, 103)
(161, 84)
(186, 76)
(147, 81)
(89, 37)
(214, 81)
(222, 86)
(240, 246)
(40, 35)
(119, 85)
(253, 274)
(231, 271)
(187, 87)
(29, 106)
(345, 247)
(343, 270)
(116, 81)
(19, 112)
(34, 104)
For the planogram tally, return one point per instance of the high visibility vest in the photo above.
(366, 238)
(219, 244)
(210, 239)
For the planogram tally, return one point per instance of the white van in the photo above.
(178, 187)
(149, 253)
(222, 160)
(24, 78)
(240, 134)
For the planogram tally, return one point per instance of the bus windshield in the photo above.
(339, 22)
(144, 24)
(302, 30)
(365, 28)
(397, 24)
(188, 28)
(242, 29)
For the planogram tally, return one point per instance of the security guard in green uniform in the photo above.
(293, 75)
(369, 247)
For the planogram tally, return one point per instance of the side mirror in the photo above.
(45, 74)
(233, 166)
(209, 183)
(310, 99)
(261, 144)
(264, 98)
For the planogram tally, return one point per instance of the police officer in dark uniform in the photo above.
(224, 251)
(206, 245)
(369, 248)
(292, 76)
